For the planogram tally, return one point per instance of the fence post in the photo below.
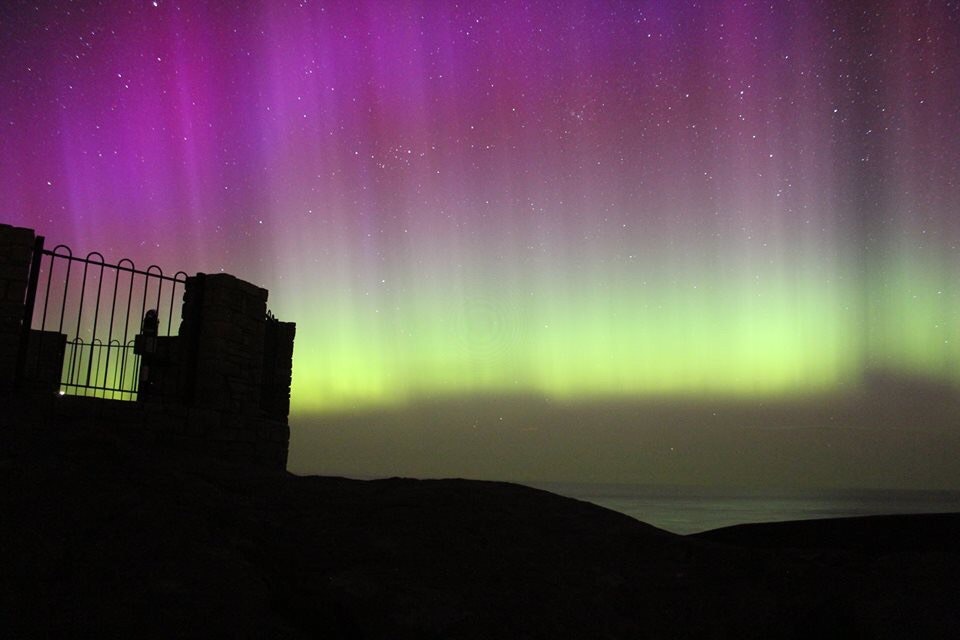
(15, 256)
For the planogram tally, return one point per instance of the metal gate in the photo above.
(83, 315)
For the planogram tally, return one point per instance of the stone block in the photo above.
(219, 435)
(195, 425)
(221, 329)
(280, 433)
(10, 325)
(224, 302)
(245, 435)
(201, 421)
(176, 410)
(267, 451)
(225, 433)
(156, 422)
(11, 309)
(16, 271)
(20, 236)
(43, 365)
(176, 424)
(18, 254)
(14, 291)
(240, 450)
(254, 307)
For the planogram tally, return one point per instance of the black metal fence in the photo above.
(87, 314)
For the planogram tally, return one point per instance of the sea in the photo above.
(687, 510)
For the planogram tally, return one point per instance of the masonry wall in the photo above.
(16, 249)
(43, 365)
(213, 387)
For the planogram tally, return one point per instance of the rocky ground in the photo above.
(119, 539)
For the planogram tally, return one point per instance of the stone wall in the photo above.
(16, 248)
(43, 364)
(221, 386)
(224, 329)
(213, 385)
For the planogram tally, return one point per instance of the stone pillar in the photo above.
(277, 369)
(16, 251)
(223, 324)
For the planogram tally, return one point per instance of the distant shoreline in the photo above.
(690, 510)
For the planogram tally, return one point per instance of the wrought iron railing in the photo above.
(93, 310)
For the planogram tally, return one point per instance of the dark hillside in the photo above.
(111, 537)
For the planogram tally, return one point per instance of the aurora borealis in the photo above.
(573, 199)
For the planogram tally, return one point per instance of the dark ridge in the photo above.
(918, 533)
(114, 537)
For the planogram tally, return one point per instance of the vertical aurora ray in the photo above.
(574, 199)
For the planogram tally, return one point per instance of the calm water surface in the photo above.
(690, 510)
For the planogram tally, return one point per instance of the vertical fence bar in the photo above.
(96, 348)
(83, 294)
(160, 279)
(126, 321)
(96, 314)
(113, 311)
(76, 344)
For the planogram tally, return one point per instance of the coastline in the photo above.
(695, 509)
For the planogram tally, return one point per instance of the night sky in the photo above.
(486, 208)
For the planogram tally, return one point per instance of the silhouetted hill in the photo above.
(868, 535)
(124, 539)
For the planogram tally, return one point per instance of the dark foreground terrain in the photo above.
(99, 536)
